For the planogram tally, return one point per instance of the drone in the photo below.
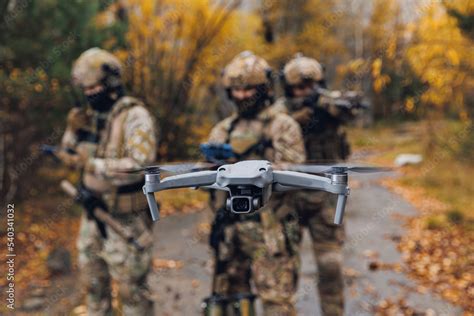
(250, 183)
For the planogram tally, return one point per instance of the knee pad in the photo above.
(330, 264)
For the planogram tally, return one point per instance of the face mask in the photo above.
(311, 99)
(250, 107)
(104, 100)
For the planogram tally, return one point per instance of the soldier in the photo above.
(115, 132)
(263, 245)
(325, 142)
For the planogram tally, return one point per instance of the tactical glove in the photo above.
(304, 115)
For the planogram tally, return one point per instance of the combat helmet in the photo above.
(246, 69)
(301, 69)
(97, 66)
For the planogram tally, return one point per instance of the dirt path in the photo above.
(373, 225)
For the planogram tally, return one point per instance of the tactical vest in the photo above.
(86, 140)
(126, 196)
(248, 143)
(326, 146)
(251, 139)
(324, 138)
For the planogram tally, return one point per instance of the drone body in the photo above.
(250, 184)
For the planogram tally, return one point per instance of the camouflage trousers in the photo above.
(266, 252)
(102, 260)
(316, 212)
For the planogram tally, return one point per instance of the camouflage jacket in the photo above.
(280, 136)
(128, 140)
(324, 138)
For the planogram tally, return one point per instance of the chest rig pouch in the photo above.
(248, 143)
(125, 198)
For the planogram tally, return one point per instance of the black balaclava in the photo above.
(310, 100)
(104, 100)
(250, 107)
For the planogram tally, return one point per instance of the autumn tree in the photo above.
(306, 26)
(38, 42)
(442, 55)
(173, 53)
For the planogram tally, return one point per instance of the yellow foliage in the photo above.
(175, 52)
(409, 104)
(442, 57)
(165, 37)
(392, 47)
(453, 57)
(300, 26)
(380, 80)
(376, 67)
(380, 83)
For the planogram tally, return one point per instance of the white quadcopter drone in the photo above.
(250, 183)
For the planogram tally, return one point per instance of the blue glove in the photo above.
(215, 152)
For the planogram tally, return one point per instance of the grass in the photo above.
(442, 175)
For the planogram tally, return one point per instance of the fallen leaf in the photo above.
(166, 264)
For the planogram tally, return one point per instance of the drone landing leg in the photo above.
(155, 212)
(340, 207)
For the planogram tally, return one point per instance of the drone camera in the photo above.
(244, 199)
(243, 204)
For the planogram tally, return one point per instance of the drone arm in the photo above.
(214, 186)
(277, 187)
(285, 180)
(153, 184)
(193, 179)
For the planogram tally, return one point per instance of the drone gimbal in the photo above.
(250, 184)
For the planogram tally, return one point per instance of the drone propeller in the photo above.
(339, 168)
(180, 167)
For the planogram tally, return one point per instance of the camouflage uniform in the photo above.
(262, 246)
(127, 139)
(325, 141)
